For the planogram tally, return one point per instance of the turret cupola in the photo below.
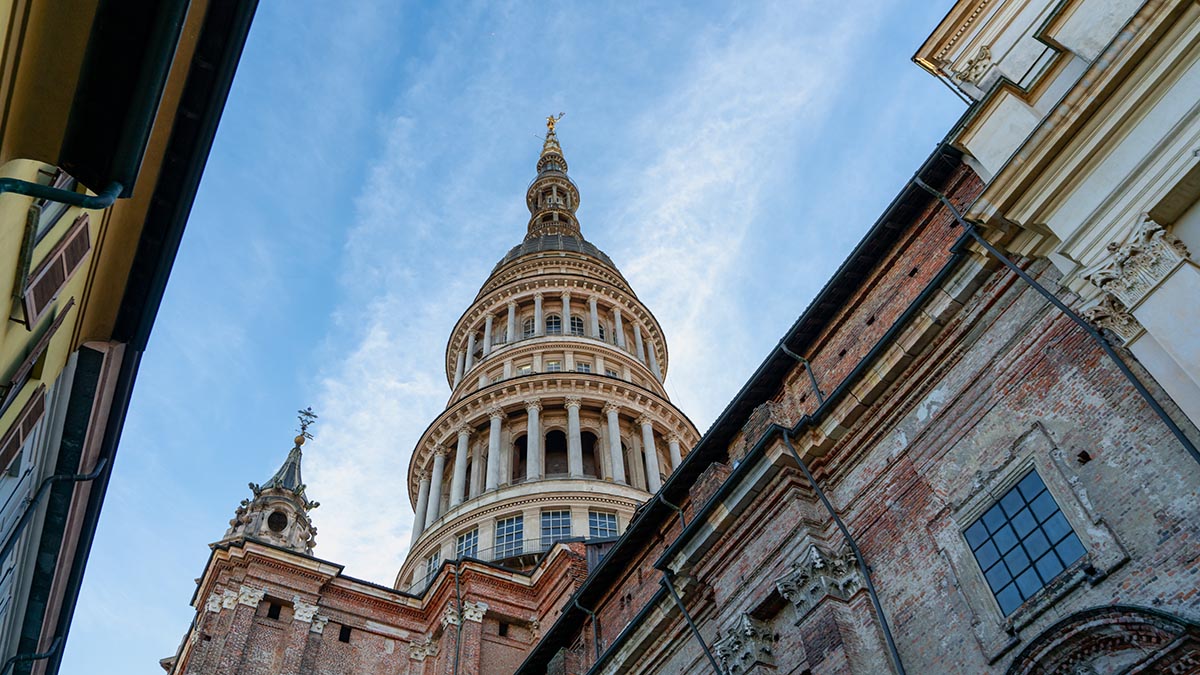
(552, 198)
(278, 512)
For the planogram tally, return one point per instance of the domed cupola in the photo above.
(552, 197)
(278, 513)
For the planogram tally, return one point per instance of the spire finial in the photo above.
(307, 418)
(551, 120)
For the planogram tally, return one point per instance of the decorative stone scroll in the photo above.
(975, 67)
(229, 599)
(818, 574)
(1139, 265)
(450, 616)
(250, 596)
(213, 604)
(1111, 314)
(318, 624)
(301, 610)
(748, 644)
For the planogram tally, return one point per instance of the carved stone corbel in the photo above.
(818, 574)
(1136, 267)
(302, 611)
(1111, 314)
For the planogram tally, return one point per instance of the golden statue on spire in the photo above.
(551, 120)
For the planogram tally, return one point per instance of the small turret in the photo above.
(278, 513)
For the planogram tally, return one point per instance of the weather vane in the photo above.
(551, 120)
(307, 418)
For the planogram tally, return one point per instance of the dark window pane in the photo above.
(976, 534)
(1029, 583)
(1031, 485)
(1070, 549)
(1056, 528)
(1005, 538)
(1016, 559)
(1044, 506)
(1009, 599)
(994, 518)
(987, 554)
(1023, 522)
(1012, 502)
(998, 576)
(1049, 566)
(1036, 544)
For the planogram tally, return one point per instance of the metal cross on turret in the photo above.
(307, 418)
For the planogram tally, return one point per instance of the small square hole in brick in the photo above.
(1084, 457)
(503, 629)
(344, 634)
(273, 610)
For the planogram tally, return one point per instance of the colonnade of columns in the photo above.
(429, 495)
(642, 350)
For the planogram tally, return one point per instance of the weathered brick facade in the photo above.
(944, 380)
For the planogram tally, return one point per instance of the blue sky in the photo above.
(370, 170)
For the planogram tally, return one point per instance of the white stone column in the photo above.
(618, 327)
(637, 343)
(487, 335)
(458, 369)
(653, 483)
(422, 506)
(493, 456)
(566, 313)
(435, 487)
(673, 448)
(614, 443)
(470, 351)
(593, 318)
(539, 318)
(574, 442)
(511, 331)
(458, 482)
(650, 350)
(534, 459)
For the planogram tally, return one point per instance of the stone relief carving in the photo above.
(749, 643)
(250, 596)
(818, 574)
(229, 599)
(450, 616)
(422, 648)
(975, 67)
(318, 624)
(1137, 266)
(213, 604)
(302, 611)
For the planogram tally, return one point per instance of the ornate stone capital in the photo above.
(975, 67)
(495, 412)
(423, 475)
(511, 304)
(422, 648)
(303, 611)
(229, 599)
(674, 438)
(1111, 314)
(464, 430)
(538, 296)
(573, 402)
(533, 404)
(250, 596)
(611, 408)
(1136, 267)
(817, 574)
(748, 643)
(566, 296)
(644, 419)
(213, 604)
(318, 624)
(474, 611)
(441, 451)
(450, 616)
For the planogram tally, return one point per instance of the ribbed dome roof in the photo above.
(554, 242)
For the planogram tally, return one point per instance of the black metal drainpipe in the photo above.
(812, 377)
(101, 201)
(666, 581)
(26, 658)
(31, 506)
(1096, 335)
(595, 624)
(858, 556)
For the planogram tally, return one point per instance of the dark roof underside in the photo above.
(554, 242)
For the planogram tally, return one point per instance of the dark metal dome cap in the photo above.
(554, 242)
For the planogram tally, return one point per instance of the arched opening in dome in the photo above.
(553, 325)
(576, 326)
(470, 483)
(635, 471)
(591, 454)
(602, 334)
(520, 457)
(527, 328)
(556, 454)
